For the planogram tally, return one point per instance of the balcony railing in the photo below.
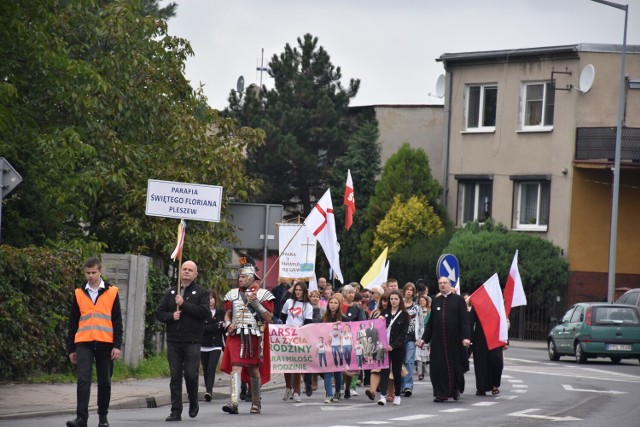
(600, 144)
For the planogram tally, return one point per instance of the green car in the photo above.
(592, 329)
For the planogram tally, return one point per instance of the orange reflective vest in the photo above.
(95, 319)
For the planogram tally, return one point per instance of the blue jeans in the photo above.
(409, 360)
(184, 360)
(346, 350)
(328, 388)
(336, 351)
(321, 357)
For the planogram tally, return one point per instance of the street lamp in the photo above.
(613, 234)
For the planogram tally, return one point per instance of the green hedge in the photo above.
(36, 286)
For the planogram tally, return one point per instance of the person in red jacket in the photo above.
(95, 333)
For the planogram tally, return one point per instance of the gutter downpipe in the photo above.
(447, 136)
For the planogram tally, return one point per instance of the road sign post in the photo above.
(9, 179)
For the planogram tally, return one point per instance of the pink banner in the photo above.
(329, 347)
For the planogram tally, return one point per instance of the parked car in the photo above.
(590, 329)
(631, 297)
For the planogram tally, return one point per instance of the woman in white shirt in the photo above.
(296, 311)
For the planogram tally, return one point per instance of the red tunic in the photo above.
(231, 355)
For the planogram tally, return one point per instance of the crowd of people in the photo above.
(424, 336)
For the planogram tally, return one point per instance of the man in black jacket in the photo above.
(184, 314)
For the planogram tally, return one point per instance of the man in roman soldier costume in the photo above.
(246, 355)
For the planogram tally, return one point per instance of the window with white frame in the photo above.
(474, 200)
(481, 107)
(538, 104)
(531, 208)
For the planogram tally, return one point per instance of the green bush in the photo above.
(483, 250)
(36, 287)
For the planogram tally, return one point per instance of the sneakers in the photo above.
(382, 400)
(336, 398)
(353, 392)
(287, 393)
(396, 400)
(296, 398)
(328, 399)
(407, 392)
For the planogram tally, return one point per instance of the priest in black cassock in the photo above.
(448, 332)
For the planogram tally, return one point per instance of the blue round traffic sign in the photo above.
(448, 267)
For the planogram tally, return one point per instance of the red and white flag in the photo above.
(177, 252)
(322, 224)
(514, 292)
(349, 202)
(489, 307)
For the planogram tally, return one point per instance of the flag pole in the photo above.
(180, 267)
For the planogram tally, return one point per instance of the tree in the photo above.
(406, 173)
(306, 122)
(363, 159)
(404, 223)
(95, 103)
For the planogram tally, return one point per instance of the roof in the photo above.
(527, 54)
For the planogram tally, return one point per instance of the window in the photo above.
(576, 317)
(475, 200)
(481, 107)
(531, 200)
(537, 111)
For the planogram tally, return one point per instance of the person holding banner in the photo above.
(184, 313)
(296, 311)
(397, 321)
(248, 311)
(487, 364)
(334, 315)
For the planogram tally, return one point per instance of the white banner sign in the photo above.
(182, 200)
(297, 259)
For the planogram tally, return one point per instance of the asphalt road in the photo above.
(534, 392)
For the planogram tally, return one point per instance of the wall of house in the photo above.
(507, 151)
(422, 126)
(590, 226)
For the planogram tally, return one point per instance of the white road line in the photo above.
(519, 391)
(515, 381)
(507, 376)
(485, 404)
(412, 417)
(374, 422)
(526, 414)
(563, 372)
(507, 397)
(519, 386)
(570, 388)
(454, 410)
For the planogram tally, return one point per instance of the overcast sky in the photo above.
(390, 45)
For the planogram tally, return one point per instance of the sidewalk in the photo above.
(32, 400)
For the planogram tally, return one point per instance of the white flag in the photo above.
(322, 224)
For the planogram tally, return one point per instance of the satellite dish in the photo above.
(587, 75)
(440, 86)
(240, 84)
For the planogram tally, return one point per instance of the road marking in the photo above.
(454, 410)
(519, 391)
(561, 371)
(519, 386)
(525, 413)
(515, 381)
(507, 397)
(570, 388)
(507, 376)
(485, 404)
(374, 422)
(412, 417)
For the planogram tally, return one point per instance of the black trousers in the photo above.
(396, 359)
(184, 361)
(209, 361)
(86, 354)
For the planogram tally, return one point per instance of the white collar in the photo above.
(89, 288)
